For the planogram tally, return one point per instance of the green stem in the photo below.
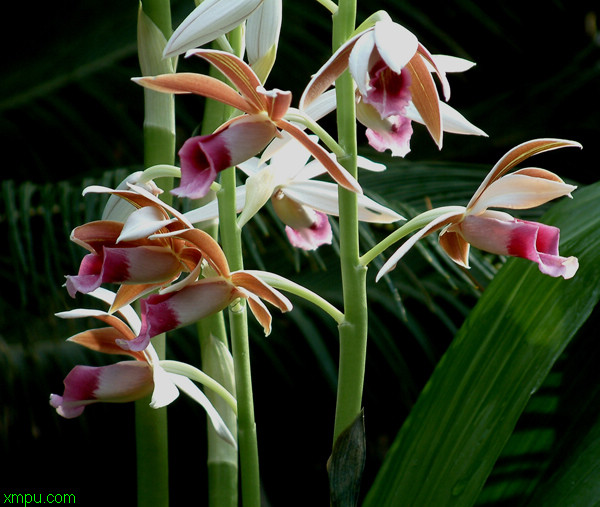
(353, 331)
(159, 148)
(231, 240)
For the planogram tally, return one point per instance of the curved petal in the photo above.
(189, 388)
(452, 121)
(143, 222)
(520, 191)
(359, 62)
(259, 189)
(448, 64)
(263, 290)
(456, 247)
(517, 155)
(198, 84)
(425, 97)
(323, 196)
(395, 44)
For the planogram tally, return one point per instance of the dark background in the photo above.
(69, 115)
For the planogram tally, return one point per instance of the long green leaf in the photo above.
(500, 356)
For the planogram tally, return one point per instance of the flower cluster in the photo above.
(179, 274)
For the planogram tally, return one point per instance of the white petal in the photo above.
(360, 59)
(211, 19)
(192, 390)
(323, 196)
(259, 189)
(165, 390)
(322, 106)
(519, 191)
(395, 44)
(452, 121)
(142, 223)
(369, 165)
(447, 63)
(250, 166)
(262, 30)
(210, 211)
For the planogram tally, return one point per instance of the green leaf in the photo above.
(500, 356)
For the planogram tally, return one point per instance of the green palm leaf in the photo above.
(501, 355)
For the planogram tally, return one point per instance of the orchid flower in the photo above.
(123, 253)
(126, 380)
(393, 75)
(301, 202)
(498, 232)
(192, 299)
(242, 137)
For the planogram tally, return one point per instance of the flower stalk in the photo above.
(353, 330)
(154, 27)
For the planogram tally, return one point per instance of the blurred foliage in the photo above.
(70, 116)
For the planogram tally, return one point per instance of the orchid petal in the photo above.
(359, 62)
(449, 64)
(198, 84)
(126, 311)
(209, 20)
(118, 209)
(323, 196)
(329, 72)
(115, 383)
(263, 290)
(395, 44)
(165, 390)
(520, 191)
(211, 251)
(517, 155)
(336, 171)
(259, 188)
(452, 121)
(425, 97)
(165, 312)
(456, 247)
(262, 36)
(210, 211)
(237, 71)
(143, 222)
(261, 312)
(519, 238)
(392, 133)
(189, 388)
(104, 340)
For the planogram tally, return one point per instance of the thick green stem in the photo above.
(159, 148)
(231, 240)
(247, 440)
(353, 331)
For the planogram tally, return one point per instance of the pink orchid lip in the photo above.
(519, 238)
(116, 383)
(311, 238)
(203, 157)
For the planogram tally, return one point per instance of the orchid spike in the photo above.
(240, 138)
(393, 75)
(498, 232)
